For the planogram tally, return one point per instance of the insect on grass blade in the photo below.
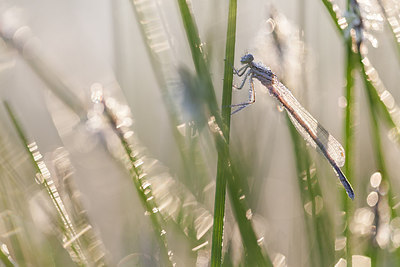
(306, 125)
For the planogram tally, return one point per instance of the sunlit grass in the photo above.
(211, 211)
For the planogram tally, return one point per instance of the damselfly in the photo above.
(306, 125)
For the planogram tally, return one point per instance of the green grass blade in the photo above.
(162, 66)
(70, 240)
(378, 98)
(393, 20)
(143, 188)
(200, 63)
(253, 251)
(379, 158)
(375, 103)
(300, 155)
(219, 215)
(21, 134)
(220, 191)
(389, 114)
(349, 113)
(229, 59)
(316, 222)
(334, 13)
(351, 65)
(6, 259)
(317, 225)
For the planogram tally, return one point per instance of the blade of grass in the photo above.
(16, 214)
(200, 64)
(377, 95)
(71, 242)
(349, 137)
(393, 21)
(390, 115)
(6, 258)
(300, 155)
(334, 13)
(220, 190)
(165, 196)
(8, 221)
(161, 61)
(143, 188)
(318, 225)
(253, 250)
(374, 101)
(380, 161)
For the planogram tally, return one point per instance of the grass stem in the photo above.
(220, 191)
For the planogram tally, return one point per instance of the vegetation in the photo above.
(230, 180)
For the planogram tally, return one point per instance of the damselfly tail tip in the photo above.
(351, 194)
(349, 189)
(344, 181)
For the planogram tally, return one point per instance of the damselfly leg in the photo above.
(252, 94)
(243, 82)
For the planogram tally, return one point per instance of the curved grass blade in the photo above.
(220, 132)
(166, 198)
(379, 99)
(379, 155)
(5, 256)
(14, 172)
(285, 45)
(319, 225)
(143, 188)
(158, 47)
(391, 12)
(387, 105)
(89, 238)
(70, 237)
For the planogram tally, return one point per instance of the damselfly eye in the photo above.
(247, 59)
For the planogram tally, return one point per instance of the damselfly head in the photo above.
(246, 59)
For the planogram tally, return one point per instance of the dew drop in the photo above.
(4, 248)
(249, 214)
(375, 179)
(360, 260)
(270, 25)
(372, 199)
(279, 260)
(341, 263)
(39, 178)
(342, 102)
(340, 243)
(96, 92)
